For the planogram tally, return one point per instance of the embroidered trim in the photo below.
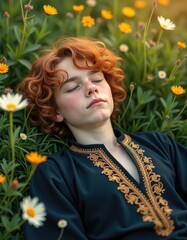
(152, 206)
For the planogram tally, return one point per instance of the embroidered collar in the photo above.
(153, 207)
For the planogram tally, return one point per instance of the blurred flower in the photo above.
(137, 35)
(166, 24)
(8, 90)
(162, 74)
(153, 31)
(28, 7)
(124, 48)
(33, 211)
(125, 28)
(3, 68)
(6, 15)
(91, 3)
(181, 44)
(2, 178)
(62, 223)
(177, 90)
(141, 25)
(178, 62)
(49, 10)
(12, 102)
(88, 21)
(107, 15)
(23, 136)
(152, 43)
(35, 158)
(139, 3)
(14, 184)
(150, 77)
(128, 12)
(69, 15)
(132, 87)
(3, 59)
(167, 117)
(164, 2)
(78, 8)
(154, 3)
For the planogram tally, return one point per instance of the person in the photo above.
(107, 184)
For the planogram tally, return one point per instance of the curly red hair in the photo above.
(43, 80)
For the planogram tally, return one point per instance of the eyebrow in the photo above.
(71, 79)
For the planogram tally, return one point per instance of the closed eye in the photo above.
(72, 89)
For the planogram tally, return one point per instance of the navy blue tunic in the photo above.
(88, 187)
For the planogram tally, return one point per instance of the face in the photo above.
(85, 100)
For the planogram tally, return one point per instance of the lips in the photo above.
(95, 101)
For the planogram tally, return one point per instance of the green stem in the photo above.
(145, 47)
(182, 110)
(171, 106)
(175, 68)
(12, 144)
(115, 15)
(61, 233)
(78, 24)
(123, 115)
(159, 36)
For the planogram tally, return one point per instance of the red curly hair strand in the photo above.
(39, 86)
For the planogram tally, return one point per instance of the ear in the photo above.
(59, 118)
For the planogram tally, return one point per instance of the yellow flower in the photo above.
(35, 158)
(49, 10)
(88, 21)
(107, 15)
(139, 4)
(78, 8)
(181, 44)
(3, 68)
(128, 12)
(125, 28)
(164, 2)
(166, 24)
(12, 102)
(2, 178)
(177, 90)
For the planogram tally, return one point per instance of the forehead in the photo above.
(71, 70)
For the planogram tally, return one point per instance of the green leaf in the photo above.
(3, 76)
(17, 33)
(32, 48)
(25, 63)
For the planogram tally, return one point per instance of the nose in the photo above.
(90, 89)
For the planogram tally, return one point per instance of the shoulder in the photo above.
(150, 136)
(153, 140)
(58, 163)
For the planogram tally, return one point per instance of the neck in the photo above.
(103, 134)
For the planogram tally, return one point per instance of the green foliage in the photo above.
(150, 104)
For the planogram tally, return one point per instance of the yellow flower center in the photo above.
(11, 106)
(31, 212)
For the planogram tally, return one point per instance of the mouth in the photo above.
(95, 102)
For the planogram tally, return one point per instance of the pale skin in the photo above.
(85, 104)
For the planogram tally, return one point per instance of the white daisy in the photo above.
(162, 74)
(62, 223)
(23, 136)
(124, 48)
(166, 24)
(33, 211)
(12, 102)
(91, 3)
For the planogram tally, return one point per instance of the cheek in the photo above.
(70, 102)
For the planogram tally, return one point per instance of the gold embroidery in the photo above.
(152, 206)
